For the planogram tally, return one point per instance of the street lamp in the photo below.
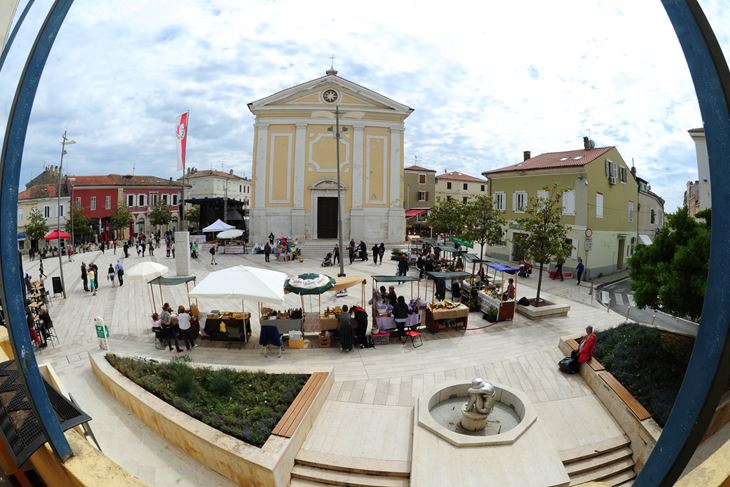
(71, 210)
(339, 186)
(66, 141)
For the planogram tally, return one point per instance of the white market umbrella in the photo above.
(218, 226)
(234, 233)
(146, 271)
(243, 282)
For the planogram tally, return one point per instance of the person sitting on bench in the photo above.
(586, 348)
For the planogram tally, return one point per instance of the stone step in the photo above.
(305, 483)
(342, 463)
(594, 449)
(621, 479)
(591, 463)
(334, 477)
(613, 469)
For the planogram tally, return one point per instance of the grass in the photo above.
(246, 405)
(649, 364)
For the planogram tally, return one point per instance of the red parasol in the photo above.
(53, 235)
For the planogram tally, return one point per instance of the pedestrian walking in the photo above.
(111, 274)
(102, 246)
(92, 279)
(267, 252)
(381, 253)
(126, 250)
(336, 254)
(143, 247)
(120, 272)
(167, 249)
(376, 252)
(151, 248)
(271, 238)
(84, 277)
(579, 270)
(185, 327)
(212, 256)
(114, 245)
(402, 266)
(559, 268)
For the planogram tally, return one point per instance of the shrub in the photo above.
(246, 405)
(637, 356)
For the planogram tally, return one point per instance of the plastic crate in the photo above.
(296, 343)
(325, 341)
(381, 338)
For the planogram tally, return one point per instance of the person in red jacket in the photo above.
(586, 347)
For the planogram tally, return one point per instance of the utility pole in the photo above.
(64, 142)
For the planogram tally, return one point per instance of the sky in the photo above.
(488, 80)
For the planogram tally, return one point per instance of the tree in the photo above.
(78, 225)
(120, 218)
(447, 217)
(671, 273)
(483, 223)
(160, 215)
(547, 235)
(192, 215)
(37, 226)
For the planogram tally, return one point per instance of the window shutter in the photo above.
(514, 201)
(426, 195)
(608, 172)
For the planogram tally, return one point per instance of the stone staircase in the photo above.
(317, 249)
(609, 461)
(315, 469)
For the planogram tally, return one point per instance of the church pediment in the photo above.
(326, 92)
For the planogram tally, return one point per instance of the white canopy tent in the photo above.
(243, 282)
(217, 226)
(228, 234)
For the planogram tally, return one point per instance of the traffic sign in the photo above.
(588, 244)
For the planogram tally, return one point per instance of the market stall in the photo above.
(445, 313)
(238, 283)
(147, 271)
(496, 299)
(311, 284)
(234, 244)
(474, 283)
(381, 312)
(328, 317)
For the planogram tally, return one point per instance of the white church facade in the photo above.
(295, 163)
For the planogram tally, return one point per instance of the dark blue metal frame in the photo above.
(11, 286)
(709, 367)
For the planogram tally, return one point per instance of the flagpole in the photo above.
(183, 226)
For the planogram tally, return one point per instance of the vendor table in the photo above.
(505, 309)
(327, 322)
(235, 330)
(285, 325)
(438, 318)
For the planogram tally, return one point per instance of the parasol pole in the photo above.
(187, 288)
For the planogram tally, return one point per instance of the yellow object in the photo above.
(222, 327)
(296, 343)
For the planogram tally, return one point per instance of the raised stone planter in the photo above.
(556, 308)
(244, 464)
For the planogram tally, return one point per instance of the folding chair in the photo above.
(413, 334)
(270, 336)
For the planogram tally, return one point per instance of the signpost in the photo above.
(102, 333)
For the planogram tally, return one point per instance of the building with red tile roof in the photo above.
(459, 186)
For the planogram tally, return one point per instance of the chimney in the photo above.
(525, 155)
(633, 170)
(586, 143)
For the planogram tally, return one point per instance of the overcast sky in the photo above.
(487, 79)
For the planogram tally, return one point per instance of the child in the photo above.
(110, 274)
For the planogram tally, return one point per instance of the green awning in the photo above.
(393, 279)
(462, 242)
(449, 275)
(171, 281)
(474, 259)
(447, 248)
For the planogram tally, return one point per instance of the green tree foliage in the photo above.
(37, 226)
(671, 273)
(160, 215)
(192, 215)
(448, 216)
(546, 233)
(120, 218)
(78, 225)
(483, 223)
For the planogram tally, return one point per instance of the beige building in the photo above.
(651, 212)
(295, 165)
(599, 201)
(420, 195)
(209, 183)
(42, 197)
(459, 186)
(704, 196)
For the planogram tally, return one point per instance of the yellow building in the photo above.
(295, 168)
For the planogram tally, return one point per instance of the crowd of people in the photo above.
(173, 327)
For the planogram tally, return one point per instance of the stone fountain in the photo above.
(477, 409)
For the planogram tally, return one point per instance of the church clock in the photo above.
(330, 96)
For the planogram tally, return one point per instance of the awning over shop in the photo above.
(415, 212)
(645, 239)
(503, 268)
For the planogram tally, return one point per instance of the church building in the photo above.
(295, 163)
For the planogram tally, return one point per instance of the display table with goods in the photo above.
(228, 326)
(287, 320)
(490, 299)
(328, 318)
(446, 314)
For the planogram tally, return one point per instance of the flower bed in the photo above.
(245, 405)
(649, 365)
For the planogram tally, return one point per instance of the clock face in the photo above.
(330, 96)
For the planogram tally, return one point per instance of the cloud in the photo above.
(486, 83)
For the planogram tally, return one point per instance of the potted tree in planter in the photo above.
(546, 234)
(491, 314)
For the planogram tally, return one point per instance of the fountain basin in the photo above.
(439, 411)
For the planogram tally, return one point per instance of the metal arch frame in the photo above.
(690, 415)
(11, 285)
(709, 367)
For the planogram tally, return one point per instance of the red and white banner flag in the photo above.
(181, 132)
